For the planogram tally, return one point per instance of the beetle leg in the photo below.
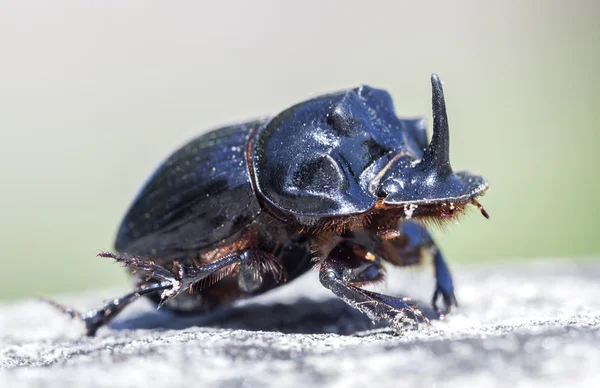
(444, 284)
(337, 273)
(252, 262)
(150, 267)
(180, 277)
(415, 239)
(94, 319)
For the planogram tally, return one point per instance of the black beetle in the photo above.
(337, 182)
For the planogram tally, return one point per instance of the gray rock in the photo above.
(532, 324)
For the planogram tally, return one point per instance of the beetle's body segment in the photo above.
(201, 195)
(346, 140)
(334, 181)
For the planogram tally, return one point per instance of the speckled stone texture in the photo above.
(520, 324)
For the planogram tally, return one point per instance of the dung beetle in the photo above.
(337, 182)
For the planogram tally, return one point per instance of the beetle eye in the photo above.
(319, 175)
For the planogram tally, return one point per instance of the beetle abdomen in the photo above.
(199, 196)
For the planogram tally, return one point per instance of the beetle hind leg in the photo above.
(340, 274)
(95, 319)
(182, 277)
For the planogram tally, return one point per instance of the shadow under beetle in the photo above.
(337, 182)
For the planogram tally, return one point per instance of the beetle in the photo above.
(338, 183)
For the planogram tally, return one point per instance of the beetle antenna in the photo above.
(481, 209)
(438, 151)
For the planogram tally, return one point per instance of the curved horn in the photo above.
(438, 151)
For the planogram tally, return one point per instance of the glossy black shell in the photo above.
(201, 195)
(319, 158)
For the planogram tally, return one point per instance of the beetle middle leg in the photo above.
(342, 272)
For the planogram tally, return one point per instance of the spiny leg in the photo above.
(182, 277)
(94, 319)
(343, 267)
(414, 238)
(171, 283)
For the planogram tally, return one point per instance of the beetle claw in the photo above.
(411, 316)
(449, 302)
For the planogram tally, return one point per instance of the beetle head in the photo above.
(428, 186)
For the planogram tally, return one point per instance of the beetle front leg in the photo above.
(338, 273)
(414, 239)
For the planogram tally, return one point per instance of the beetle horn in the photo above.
(438, 151)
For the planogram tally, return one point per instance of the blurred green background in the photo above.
(93, 95)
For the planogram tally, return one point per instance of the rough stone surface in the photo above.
(535, 324)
